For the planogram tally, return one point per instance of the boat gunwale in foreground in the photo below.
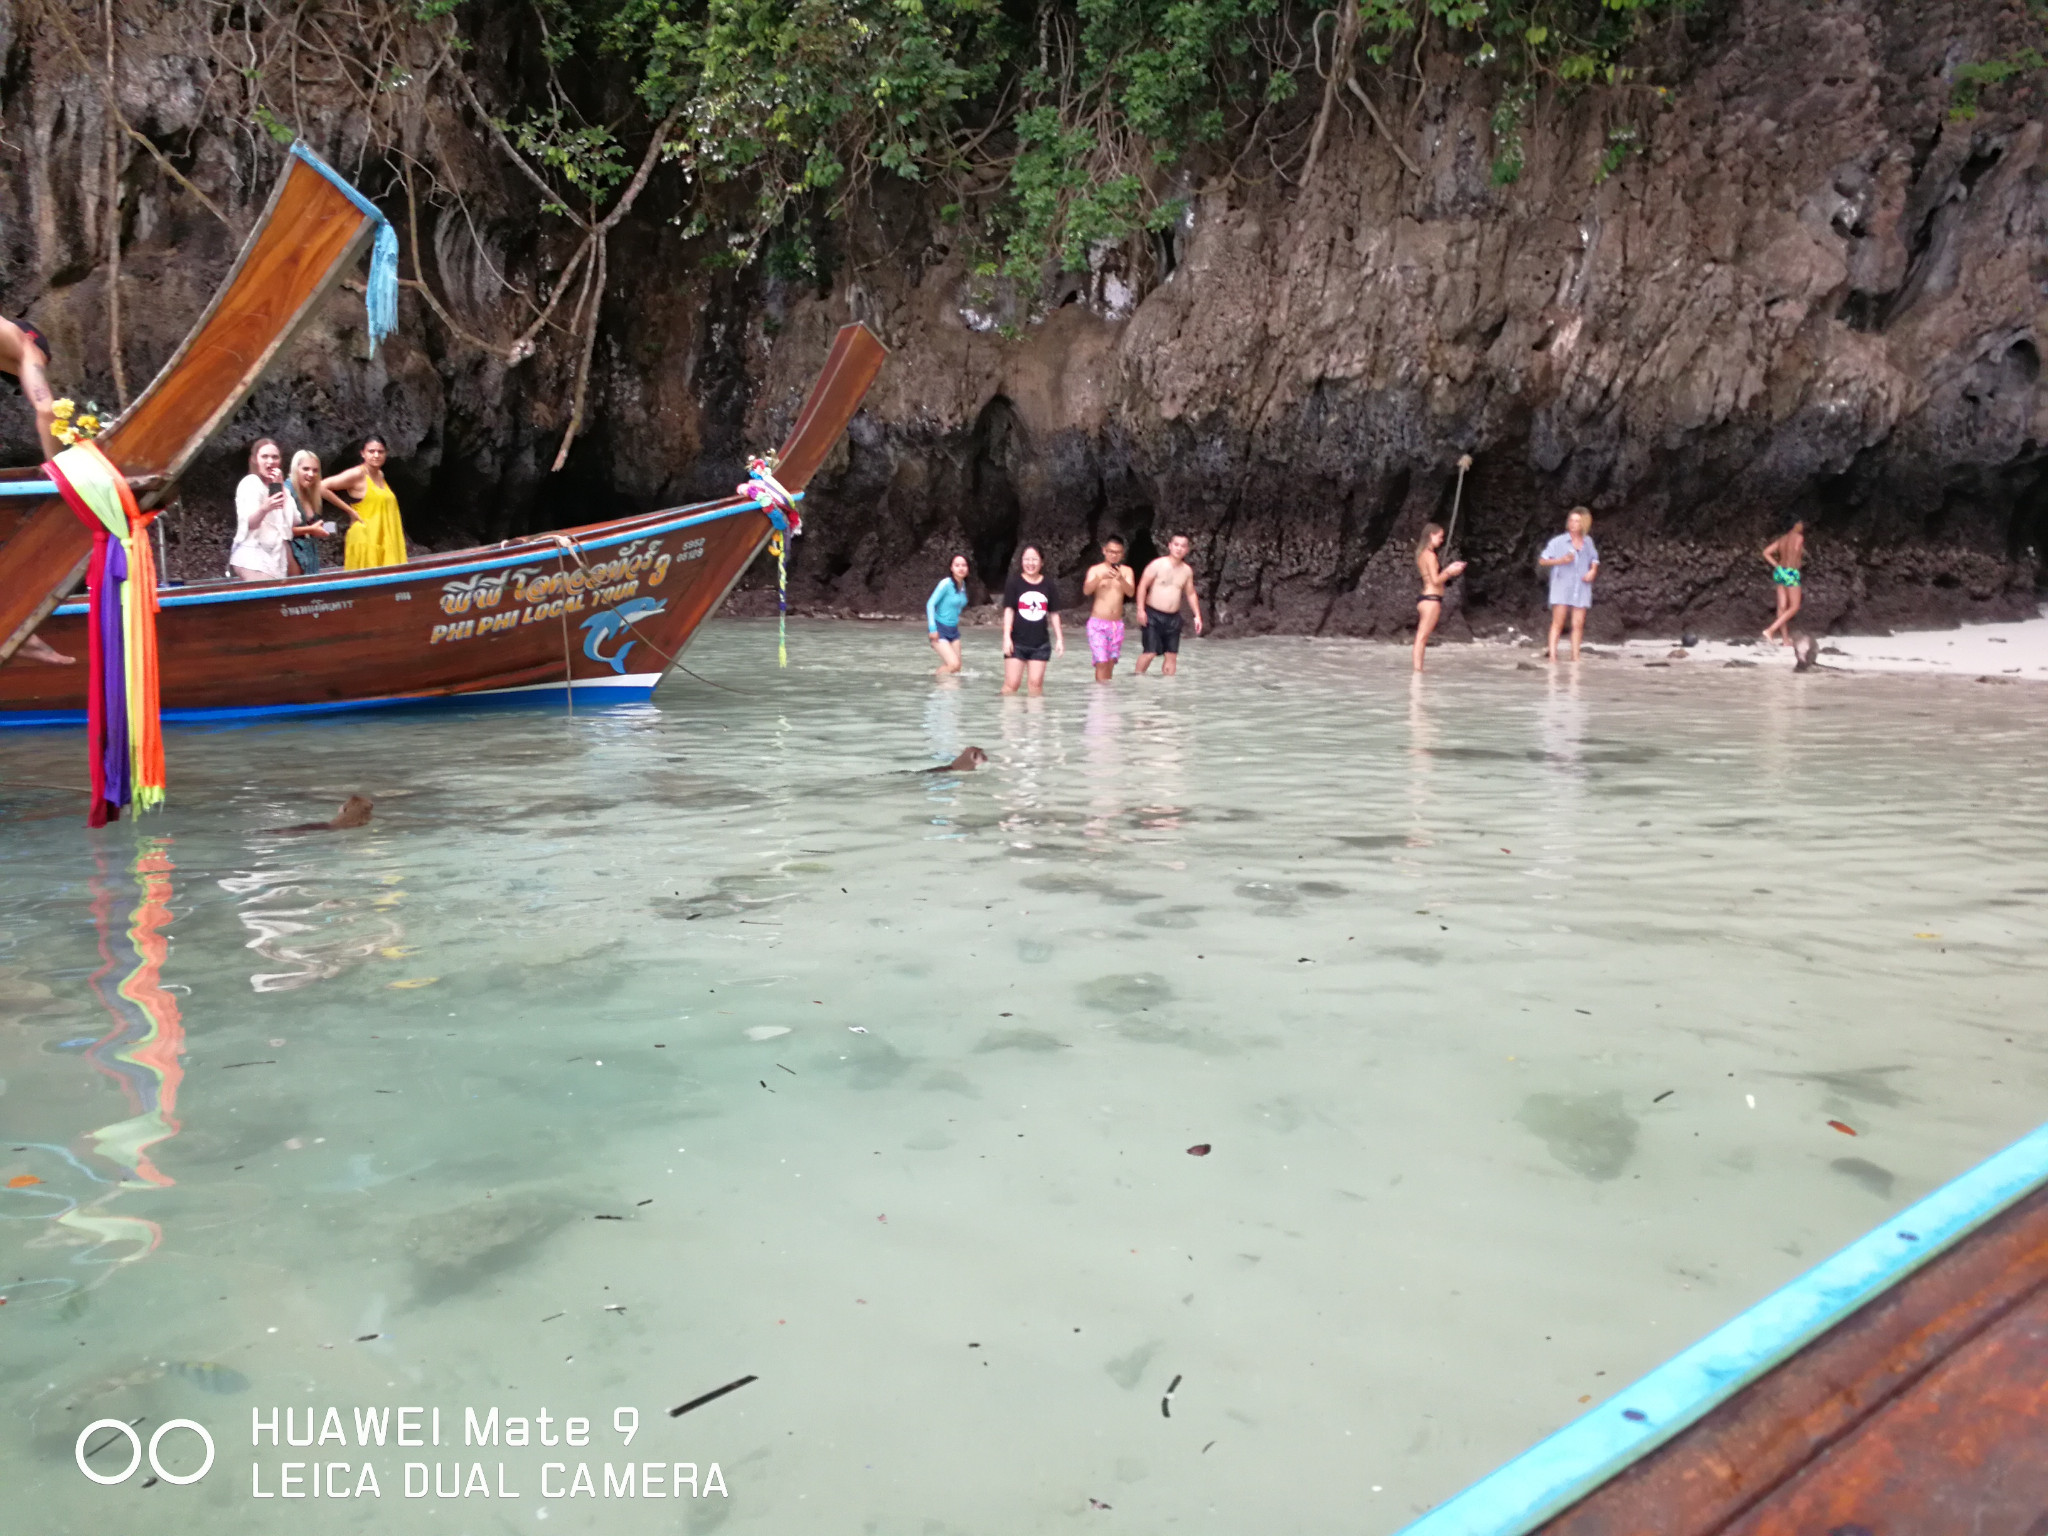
(1577, 1461)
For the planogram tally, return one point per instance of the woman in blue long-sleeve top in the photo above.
(942, 612)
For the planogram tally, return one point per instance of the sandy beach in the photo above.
(2018, 651)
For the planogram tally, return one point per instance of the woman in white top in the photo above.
(263, 520)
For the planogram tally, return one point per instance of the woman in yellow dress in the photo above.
(375, 536)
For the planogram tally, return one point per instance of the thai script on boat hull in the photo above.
(549, 596)
(607, 581)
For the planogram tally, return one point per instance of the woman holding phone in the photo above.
(262, 547)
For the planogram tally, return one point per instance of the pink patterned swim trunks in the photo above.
(1105, 640)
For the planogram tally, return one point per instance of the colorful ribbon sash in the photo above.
(123, 724)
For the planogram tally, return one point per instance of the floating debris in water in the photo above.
(365, 1338)
(1664, 1095)
(1199, 1149)
(855, 1029)
(767, 1031)
(411, 982)
(711, 1396)
(267, 1062)
(22, 1181)
(1097, 1504)
(1166, 1402)
(1846, 1130)
(1635, 1415)
(607, 1218)
(208, 1376)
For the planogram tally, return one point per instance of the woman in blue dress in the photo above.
(942, 612)
(1573, 561)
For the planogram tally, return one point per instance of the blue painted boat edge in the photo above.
(589, 695)
(1557, 1472)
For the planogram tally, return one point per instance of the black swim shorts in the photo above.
(1031, 652)
(1162, 633)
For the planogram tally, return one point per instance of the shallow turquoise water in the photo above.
(889, 1079)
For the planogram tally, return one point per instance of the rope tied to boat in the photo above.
(780, 505)
(563, 541)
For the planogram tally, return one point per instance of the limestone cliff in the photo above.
(1810, 292)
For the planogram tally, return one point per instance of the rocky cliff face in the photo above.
(1810, 293)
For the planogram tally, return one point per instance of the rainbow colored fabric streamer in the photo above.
(123, 722)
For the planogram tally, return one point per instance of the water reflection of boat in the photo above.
(608, 606)
(140, 1054)
(1902, 1385)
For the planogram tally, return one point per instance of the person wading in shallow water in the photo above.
(1574, 560)
(1786, 555)
(1030, 607)
(23, 357)
(1167, 582)
(1108, 585)
(942, 612)
(1430, 606)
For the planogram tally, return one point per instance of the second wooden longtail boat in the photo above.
(1898, 1389)
(597, 613)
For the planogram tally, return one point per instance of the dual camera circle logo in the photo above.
(135, 1445)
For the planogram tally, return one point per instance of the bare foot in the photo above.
(42, 651)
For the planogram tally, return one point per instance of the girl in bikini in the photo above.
(1435, 576)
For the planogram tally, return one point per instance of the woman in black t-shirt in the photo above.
(1030, 606)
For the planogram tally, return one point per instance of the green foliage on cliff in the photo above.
(1050, 128)
(1057, 127)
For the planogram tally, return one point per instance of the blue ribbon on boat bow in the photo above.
(380, 298)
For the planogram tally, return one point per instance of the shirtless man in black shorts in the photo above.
(1167, 582)
(24, 355)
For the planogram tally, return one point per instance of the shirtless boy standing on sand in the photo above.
(1167, 582)
(1107, 586)
(1785, 555)
(24, 354)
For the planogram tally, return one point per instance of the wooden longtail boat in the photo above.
(311, 231)
(1898, 1389)
(598, 613)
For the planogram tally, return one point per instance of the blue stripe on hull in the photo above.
(588, 697)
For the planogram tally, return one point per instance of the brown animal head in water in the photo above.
(966, 762)
(355, 812)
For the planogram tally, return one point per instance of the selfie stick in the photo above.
(1464, 463)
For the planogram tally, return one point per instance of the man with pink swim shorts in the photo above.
(1108, 586)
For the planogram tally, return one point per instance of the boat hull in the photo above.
(594, 617)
